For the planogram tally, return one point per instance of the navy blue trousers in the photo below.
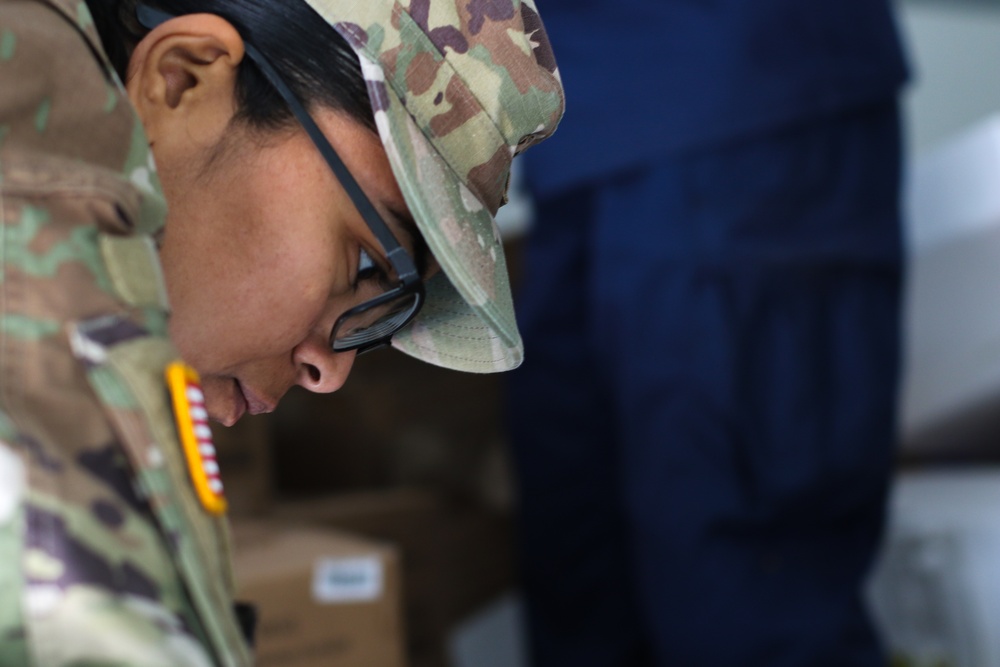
(704, 424)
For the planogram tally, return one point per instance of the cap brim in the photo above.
(467, 322)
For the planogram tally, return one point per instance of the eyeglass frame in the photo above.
(399, 259)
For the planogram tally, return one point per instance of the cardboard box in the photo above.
(324, 598)
(456, 556)
(934, 593)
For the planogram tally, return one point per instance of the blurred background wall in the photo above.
(955, 50)
(952, 203)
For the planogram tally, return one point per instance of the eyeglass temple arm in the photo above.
(151, 17)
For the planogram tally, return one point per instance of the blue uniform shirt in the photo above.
(648, 77)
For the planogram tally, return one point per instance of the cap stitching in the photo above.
(436, 351)
(465, 327)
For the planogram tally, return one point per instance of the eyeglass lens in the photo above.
(368, 324)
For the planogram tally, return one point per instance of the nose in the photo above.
(319, 369)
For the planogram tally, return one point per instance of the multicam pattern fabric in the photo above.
(459, 87)
(105, 556)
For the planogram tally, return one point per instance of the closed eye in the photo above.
(368, 270)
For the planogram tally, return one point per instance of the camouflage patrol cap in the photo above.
(458, 88)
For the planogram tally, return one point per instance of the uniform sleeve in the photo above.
(88, 574)
(13, 650)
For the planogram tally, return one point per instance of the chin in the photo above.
(225, 408)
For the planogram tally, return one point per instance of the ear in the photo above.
(182, 78)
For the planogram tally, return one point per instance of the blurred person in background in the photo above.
(305, 181)
(703, 429)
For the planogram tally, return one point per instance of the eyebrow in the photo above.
(421, 251)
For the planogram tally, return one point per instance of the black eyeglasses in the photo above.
(372, 323)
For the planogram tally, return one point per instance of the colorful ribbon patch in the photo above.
(196, 435)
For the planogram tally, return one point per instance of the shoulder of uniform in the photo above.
(36, 42)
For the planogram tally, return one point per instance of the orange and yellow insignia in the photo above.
(196, 435)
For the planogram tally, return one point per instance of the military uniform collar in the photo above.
(78, 13)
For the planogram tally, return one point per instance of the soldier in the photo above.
(325, 180)
(713, 320)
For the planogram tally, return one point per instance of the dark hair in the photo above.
(316, 62)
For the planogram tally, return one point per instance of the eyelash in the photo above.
(368, 269)
(365, 265)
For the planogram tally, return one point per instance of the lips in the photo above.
(229, 399)
(255, 405)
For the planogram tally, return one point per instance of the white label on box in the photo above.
(338, 580)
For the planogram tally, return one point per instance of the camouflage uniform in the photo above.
(106, 557)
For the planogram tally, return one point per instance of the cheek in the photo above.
(252, 267)
(278, 302)
(287, 310)
(228, 313)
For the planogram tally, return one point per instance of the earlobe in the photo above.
(185, 70)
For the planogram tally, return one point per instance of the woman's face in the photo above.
(261, 255)
(263, 249)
